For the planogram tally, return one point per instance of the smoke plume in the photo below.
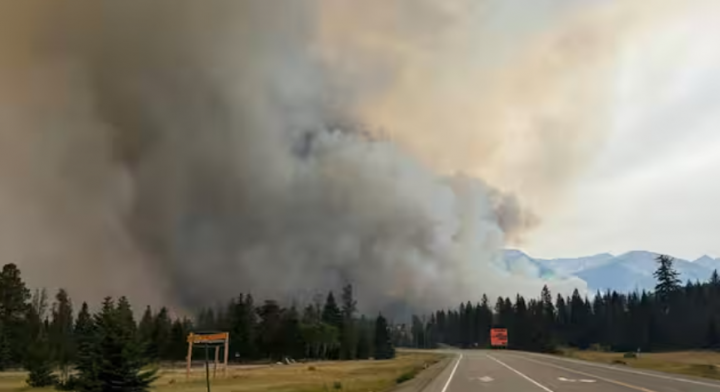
(183, 151)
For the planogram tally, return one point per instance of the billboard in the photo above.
(498, 337)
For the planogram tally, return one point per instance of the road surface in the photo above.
(510, 371)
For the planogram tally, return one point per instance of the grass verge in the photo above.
(693, 363)
(330, 376)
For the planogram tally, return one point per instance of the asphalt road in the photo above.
(511, 371)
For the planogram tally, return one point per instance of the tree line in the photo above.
(671, 317)
(322, 330)
(108, 350)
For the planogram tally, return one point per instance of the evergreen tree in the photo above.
(331, 313)
(61, 334)
(122, 355)
(178, 333)
(348, 333)
(668, 281)
(161, 330)
(562, 320)
(88, 359)
(14, 297)
(383, 348)
(484, 315)
(363, 343)
(520, 338)
(293, 344)
(714, 279)
(270, 330)
(146, 328)
(37, 359)
(332, 316)
(38, 363)
(243, 326)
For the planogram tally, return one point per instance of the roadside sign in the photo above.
(498, 337)
(216, 337)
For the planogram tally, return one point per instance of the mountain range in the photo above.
(624, 273)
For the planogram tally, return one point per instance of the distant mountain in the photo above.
(572, 266)
(627, 272)
(709, 262)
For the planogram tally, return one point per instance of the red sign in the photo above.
(498, 337)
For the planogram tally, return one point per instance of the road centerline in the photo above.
(544, 388)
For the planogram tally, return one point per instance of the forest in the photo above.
(109, 348)
(88, 350)
(672, 317)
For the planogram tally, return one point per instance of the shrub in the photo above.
(337, 385)
(409, 375)
(618, 362)
(311, 368)
(630, 355)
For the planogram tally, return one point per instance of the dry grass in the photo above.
(694, 363)
(349, 376)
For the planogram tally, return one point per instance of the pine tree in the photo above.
(61, 334)
(363, 344)
(714, 279)
(562, 320)
(484, 322)
(243, 326)
(348, 333)
(331, 313)
(668, 281)
(521, 336)
(383, 348)
(160, 336)
(178, 333)
(88, 359)
(293, 344)
(122, 355)
(145, 333)
(270, 329)
(14, 297)
(37, 359)
(38, 363)
(332, 316)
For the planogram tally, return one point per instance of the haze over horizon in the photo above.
(654, 182)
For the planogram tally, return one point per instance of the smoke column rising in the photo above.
(182, 152)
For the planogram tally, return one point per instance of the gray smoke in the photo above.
(186, 151)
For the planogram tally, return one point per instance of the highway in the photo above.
(511, 371)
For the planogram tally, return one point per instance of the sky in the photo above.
(653, 182)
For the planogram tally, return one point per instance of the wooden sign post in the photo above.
(215, 339)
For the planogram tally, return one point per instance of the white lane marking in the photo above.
(447, 383)
(483, 378)
(574, 380)
(544, 388)
(707, 384)
(631, 386)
